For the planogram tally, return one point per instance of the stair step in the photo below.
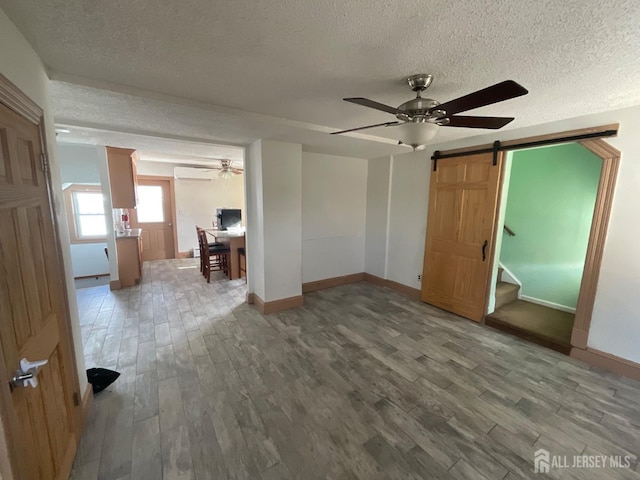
(545, 326)
(505, 293)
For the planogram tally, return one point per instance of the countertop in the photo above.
(132, 233)
(225, 233)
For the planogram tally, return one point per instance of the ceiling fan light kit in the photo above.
(226, 172)
(420, 118)
(417, 134)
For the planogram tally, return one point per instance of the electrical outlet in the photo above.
(419, 277)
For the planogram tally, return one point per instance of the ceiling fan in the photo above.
(419, 118)
(226, 170)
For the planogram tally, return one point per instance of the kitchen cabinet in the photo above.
(123, 177)
(129, 247)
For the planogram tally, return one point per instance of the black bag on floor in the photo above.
(101, 378)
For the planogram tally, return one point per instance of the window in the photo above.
(150, 204)
(85, 212)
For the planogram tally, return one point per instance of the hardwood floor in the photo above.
(360, 383)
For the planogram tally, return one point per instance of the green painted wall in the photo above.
(550, 205)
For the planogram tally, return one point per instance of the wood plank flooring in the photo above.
(360, 383)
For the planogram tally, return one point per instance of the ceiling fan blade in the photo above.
(478, 122)
(496, 93)
(365, 102)
(386, 124)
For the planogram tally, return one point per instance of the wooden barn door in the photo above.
(460, 233)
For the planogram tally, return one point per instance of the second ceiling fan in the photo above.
(421, 117)
(226, 171)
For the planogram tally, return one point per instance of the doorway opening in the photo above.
(463, 229)
(543, 227)
(83, 186)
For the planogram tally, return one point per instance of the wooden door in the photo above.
(460, 232)
(154, 215)
(41, 423)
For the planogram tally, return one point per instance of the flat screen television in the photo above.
(229, 218)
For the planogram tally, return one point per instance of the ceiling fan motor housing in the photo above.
(417, 110)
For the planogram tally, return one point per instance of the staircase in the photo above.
(506, 293)
(539, 324)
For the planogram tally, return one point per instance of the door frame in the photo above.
(610, 157)
(174, 216)
(16, 100)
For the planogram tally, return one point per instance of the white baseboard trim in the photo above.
(544, 303)
(96, 275)
(511, 278)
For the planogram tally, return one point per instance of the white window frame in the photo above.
(73, 216)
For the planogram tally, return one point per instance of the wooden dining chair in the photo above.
(202, 241)
(242, 259)
(242, 263)
(214, 258)
(200, 248)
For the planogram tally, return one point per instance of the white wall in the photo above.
(615, 324)
(408, 217)
(274, 226)
(197, 201)
(80, 164)
(334, 196)
(377, 218)
(103, 164)
(88, 259)
(20, 64)
(282, 213)
(255, 219)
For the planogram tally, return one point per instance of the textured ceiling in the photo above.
(96, 115)
(295, 59)
(155, 149)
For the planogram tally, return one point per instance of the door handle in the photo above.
(25, 375)
(484, 250)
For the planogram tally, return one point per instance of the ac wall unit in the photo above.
(194, 174)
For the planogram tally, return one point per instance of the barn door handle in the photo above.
(26, 375)
(484, 250)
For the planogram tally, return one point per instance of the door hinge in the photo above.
(76, 399)
(45, 162)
